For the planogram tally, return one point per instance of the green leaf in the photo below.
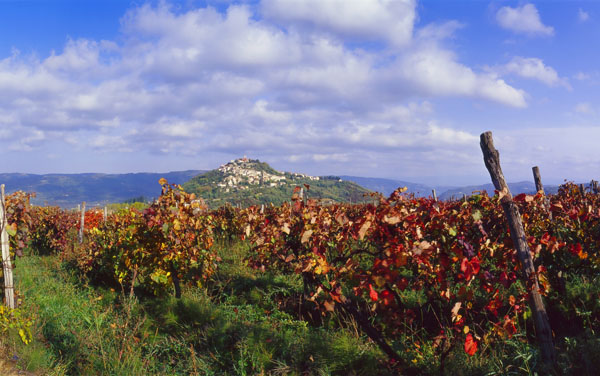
(11, 231)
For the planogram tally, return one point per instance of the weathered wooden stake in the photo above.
(9, 291)
(105, 213)
(82, 223)
(540, 317)
(538, 179)
(434, 195)
(464, 197)
(539, 187)
(582, 189)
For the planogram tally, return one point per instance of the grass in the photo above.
(237, 328)
(248, 323)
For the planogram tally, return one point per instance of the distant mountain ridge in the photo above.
(515, 188)
(97, 189)
(68, 190)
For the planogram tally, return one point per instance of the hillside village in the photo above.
(240, 174)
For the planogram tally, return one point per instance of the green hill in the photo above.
(251, 182)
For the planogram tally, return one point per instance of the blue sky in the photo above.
(398, 89)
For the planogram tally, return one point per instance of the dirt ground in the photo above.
(8, 368)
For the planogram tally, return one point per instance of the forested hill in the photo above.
(250, 182)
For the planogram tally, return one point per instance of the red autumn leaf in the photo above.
(470, 345)
(520, 197)
(470, 268)
(575, 248)
(475, 265)
(464, 265)
(509, 326)
(372, 293)
(387, 297)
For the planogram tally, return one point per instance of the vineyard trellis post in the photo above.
(9, 291)
(539, 187)
(537, 179)
(82, 223)
(434, 195)
(491, 159)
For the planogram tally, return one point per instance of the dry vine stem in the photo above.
(542, 326)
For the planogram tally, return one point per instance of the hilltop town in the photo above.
(247, 182)
(241, 173)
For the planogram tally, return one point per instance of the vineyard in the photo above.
(429, 287)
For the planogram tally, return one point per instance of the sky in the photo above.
(397, 89)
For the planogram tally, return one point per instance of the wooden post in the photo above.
(582, 189)
(539, 187)
(538, 179)
(596, 186)
(464, 197)
(9, 291)
(540, 317)
(82, 224)
(105, 213)
(434, 195)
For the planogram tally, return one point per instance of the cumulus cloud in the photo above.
(437, 72)
(523, 19)
(362, 20)
(204, 81)
(534, 68)
(583, 15)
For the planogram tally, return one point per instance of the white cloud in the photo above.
(581, 76)
(523, 19)
(390, 20)
(437, 72)
(534, 68)
(203, 82)
(583, 15)
(584, 108)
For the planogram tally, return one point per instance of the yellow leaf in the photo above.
(285, 228)
(391, 220)
(329, 305)
(306, 236)
(363, 230)
(162, 181)
(379, 281)
(466, 329)
(177, 225)
(455, 309)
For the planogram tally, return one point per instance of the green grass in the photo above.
(244, 322)
(237, 328)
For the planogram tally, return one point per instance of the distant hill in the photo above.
(68, 190)
(515, 188)
(238, 182)
(251, 182)
(387, 186)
